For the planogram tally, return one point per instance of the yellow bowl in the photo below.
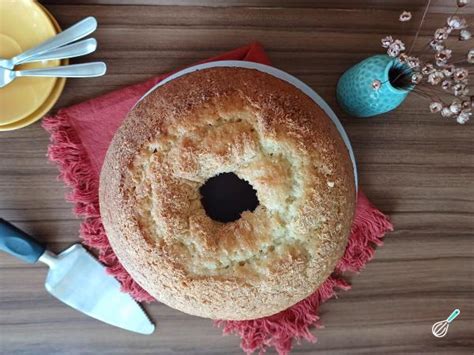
(26, 100)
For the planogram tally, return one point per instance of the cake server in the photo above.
(79, 280)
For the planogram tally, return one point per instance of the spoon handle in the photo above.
(73, 33)
(453, 315)
(68, 71)
(68, 51)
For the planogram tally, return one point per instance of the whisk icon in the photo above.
(440, 329)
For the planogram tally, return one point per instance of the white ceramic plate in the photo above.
(278, 74)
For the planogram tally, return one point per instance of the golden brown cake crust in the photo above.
(265, 131)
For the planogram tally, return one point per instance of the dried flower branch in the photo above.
(441, 72)
(425, 12)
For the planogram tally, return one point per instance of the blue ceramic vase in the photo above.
(356, 95)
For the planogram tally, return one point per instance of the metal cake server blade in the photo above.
(76, 278)
(79, 280)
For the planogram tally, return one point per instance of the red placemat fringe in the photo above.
(281, 329)
(278, 330)
(368, 228)
(67, 151)
(74, 167)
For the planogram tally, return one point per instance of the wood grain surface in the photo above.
(414, 166)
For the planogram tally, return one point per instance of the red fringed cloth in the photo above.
(80, 136)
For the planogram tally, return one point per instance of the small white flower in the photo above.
(456, 22)
(405, 16)
(413, 62)
(462, 3)
(462, 118)
(393, 51)
(402, 58)
(470, 56)
(442, 34)
(436, 45)
(444, 55)
(416, 78)
(455, 106)
(448, 71)
(376, 84)
(467, 105)
(446, 112)
(387, 41)
(436, 106)
(460, 89)
(400, 44)
(464, 35)
(441, 63)
(460, 74)
(395, 48)
(435, 77)
(427, 69)
(446, 84)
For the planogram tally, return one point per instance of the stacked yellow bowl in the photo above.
(23, 25)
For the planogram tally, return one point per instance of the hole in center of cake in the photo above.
(225, 196)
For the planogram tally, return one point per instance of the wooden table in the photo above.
(414, 166)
